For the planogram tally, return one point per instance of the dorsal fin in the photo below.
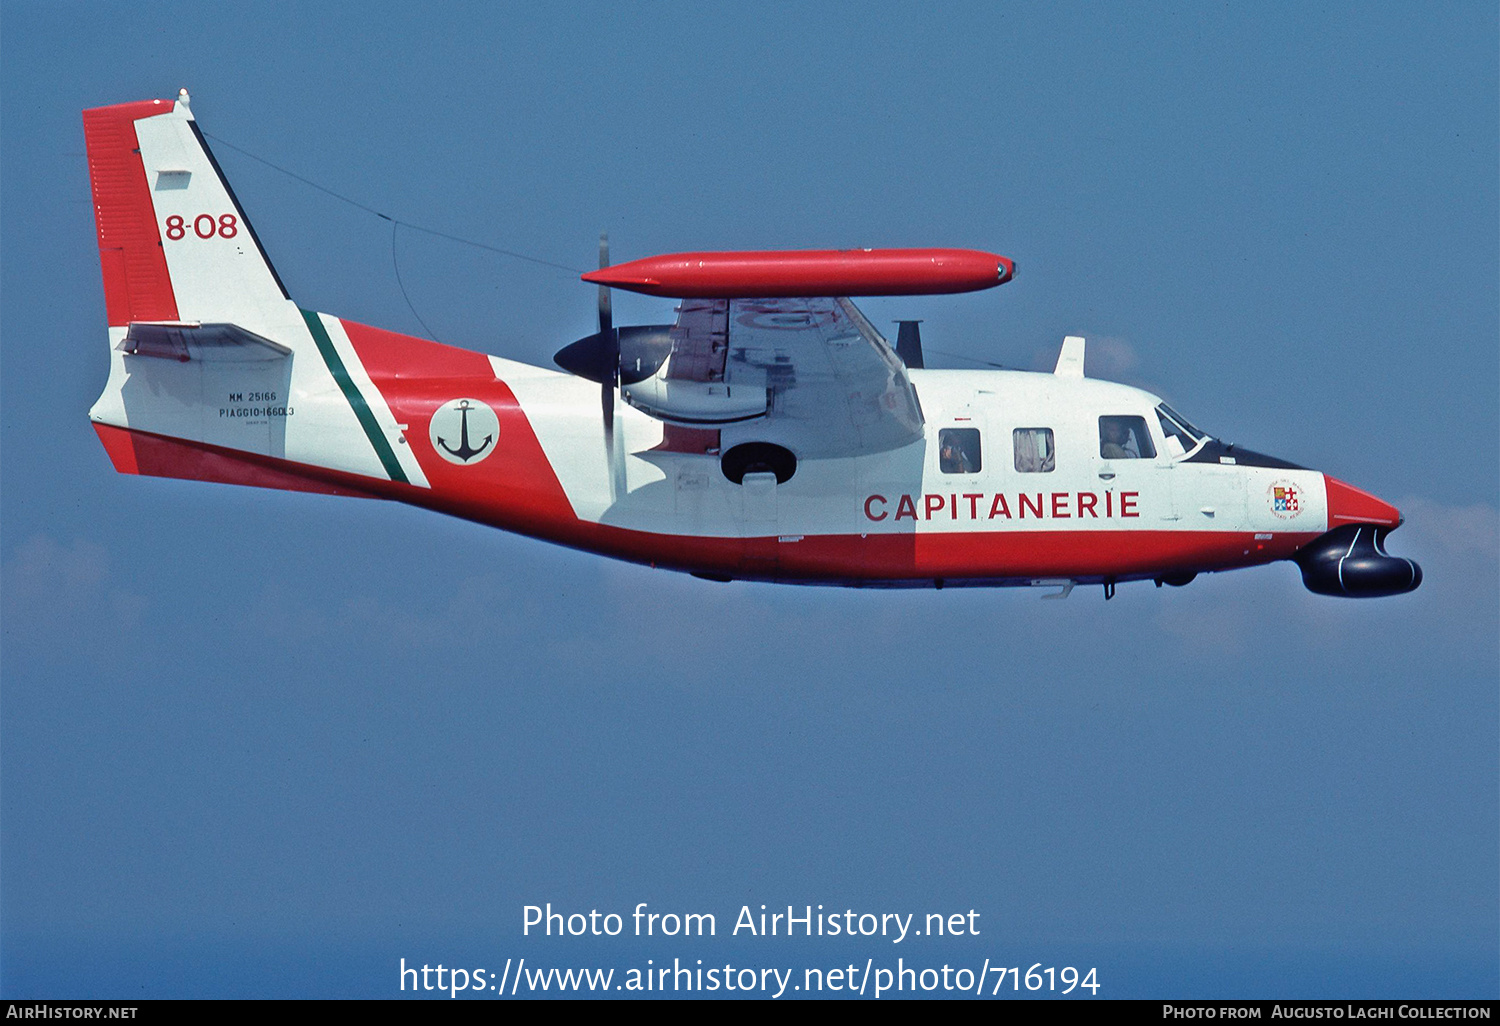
(1070, 360)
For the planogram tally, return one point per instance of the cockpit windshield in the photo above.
(1182, 437)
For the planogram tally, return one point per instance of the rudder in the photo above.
(137, 285)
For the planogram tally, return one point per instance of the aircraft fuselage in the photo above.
(895, 518)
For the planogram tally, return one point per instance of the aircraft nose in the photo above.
(1349, 505)
(1350, 559)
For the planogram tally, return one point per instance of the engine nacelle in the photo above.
(697, 403)
(1351, 561)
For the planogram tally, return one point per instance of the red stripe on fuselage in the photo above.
(515, 487)
(120, 445)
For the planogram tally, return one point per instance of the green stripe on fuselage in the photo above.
(356, 400)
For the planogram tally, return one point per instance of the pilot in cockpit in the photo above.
(1114, 436)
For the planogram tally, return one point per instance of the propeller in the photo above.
(609, 353)
(614, 357)
(609, 377)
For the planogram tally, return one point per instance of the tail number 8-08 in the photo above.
(205, 226)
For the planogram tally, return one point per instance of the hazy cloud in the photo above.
(1108, 357)
(1465, 532)
(49, 587)
(42, 567)
(470, 612)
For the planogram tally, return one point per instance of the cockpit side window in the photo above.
(1035, 453)
(1181, 436)
(1125, 438)
(1182, 422)
(958, 451)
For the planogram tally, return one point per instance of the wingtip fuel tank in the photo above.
(796, 273)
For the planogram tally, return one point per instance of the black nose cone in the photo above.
(1351, 562)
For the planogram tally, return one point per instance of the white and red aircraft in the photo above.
(770, 434)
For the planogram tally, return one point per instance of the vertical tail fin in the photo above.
(174, 243)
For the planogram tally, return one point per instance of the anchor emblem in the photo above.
(466, 452)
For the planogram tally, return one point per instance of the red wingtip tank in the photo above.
(813, 272)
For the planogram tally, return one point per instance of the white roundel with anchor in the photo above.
(464, 431)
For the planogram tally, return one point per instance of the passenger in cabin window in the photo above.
(952, 459)
(958, 451)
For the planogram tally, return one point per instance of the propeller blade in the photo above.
(609, 350)
(606, 313)
(610, 377)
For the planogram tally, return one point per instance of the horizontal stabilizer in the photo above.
(186, 341)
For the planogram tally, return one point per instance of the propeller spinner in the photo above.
(615, 356)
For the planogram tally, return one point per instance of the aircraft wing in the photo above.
(833, 385)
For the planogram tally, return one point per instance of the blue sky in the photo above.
(255, 743)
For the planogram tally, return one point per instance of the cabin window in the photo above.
(1125, 438)
(958, 450)
(1034, 451)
